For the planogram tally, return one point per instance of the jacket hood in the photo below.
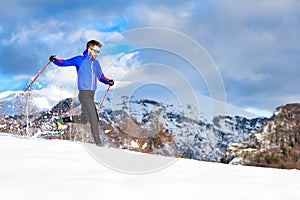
(85, 54)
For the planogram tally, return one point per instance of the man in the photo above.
(88, 71)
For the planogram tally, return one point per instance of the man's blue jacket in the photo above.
(88, 71)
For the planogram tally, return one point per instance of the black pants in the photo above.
(88, 113)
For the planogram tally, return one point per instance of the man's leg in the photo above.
(86, 99)
(72, 119)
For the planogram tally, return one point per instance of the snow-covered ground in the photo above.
(37, 169)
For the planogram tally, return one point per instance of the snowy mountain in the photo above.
(141, 125)
(277, 144)
(195, 139)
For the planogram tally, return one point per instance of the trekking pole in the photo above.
(26, 96)
(27, 88)
(103, 99)
(27, 114)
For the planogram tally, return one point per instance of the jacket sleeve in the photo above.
(69, 62)
(104, 79)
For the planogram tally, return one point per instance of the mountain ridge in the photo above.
(147, 126)
(276, 145)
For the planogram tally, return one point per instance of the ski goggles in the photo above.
(95, 51)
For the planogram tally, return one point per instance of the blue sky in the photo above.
(255, 44)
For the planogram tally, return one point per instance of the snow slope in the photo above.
(52, 169)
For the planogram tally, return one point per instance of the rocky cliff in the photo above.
(277, 144)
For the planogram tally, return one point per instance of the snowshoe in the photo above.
(60, 125)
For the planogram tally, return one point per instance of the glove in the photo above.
(111, 82)
(52, 58)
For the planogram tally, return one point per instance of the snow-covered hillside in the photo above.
(34, 169)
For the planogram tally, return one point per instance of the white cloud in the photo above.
(258, 112)
(284, 99)
(35, 31)
(160, 15)
(22, 77)
(244, 73)
(64, 77)
(88, 34)
(265, 8)
(116, 66)
(49, 96)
